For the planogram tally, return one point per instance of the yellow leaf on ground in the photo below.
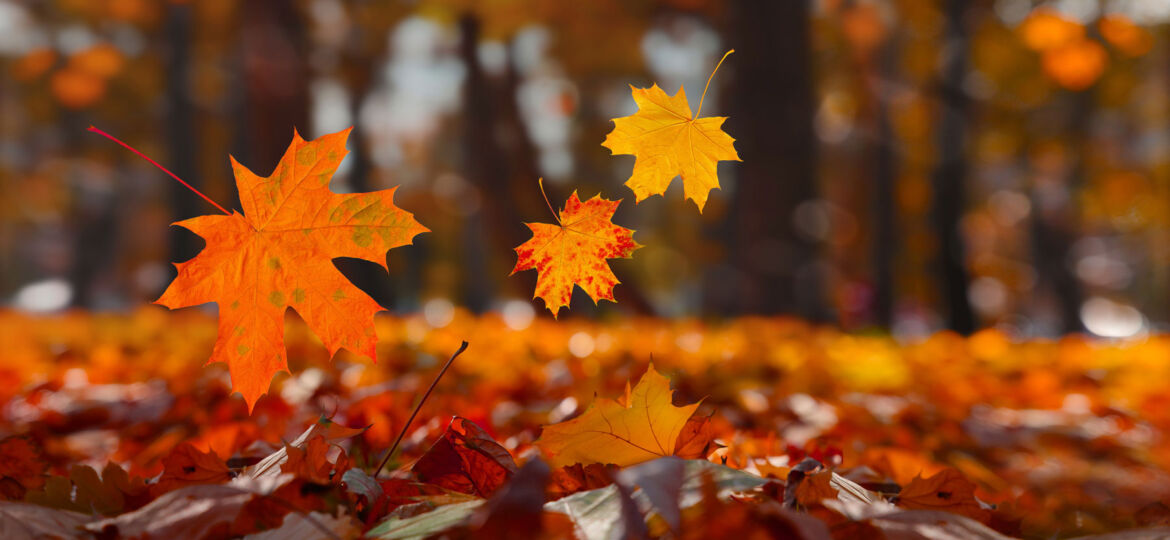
(643, 426)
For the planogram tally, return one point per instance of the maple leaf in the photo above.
(947, 490)
(187, 466)
(574, 251)
(642, 426)
(278, 254)
(669, 141)
(466, 460)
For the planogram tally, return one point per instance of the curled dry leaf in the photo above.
(466, 459)
(188, 466)
(948, 490)
(312, 463)
(279, 254)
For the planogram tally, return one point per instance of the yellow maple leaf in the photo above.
(669, 141)
(574, 251)
(642, 426)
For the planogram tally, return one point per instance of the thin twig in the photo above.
(164, 169)
(406, 426)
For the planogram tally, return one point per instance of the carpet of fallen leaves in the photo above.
(111, 427)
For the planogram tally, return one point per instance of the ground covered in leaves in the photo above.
(111, 427)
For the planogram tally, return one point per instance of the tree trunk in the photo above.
(182, 136)
(771, 105)
(949, 178)
(276, 79)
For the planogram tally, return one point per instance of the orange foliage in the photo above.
(279, 254)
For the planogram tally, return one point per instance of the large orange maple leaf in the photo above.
(641, 426)
(575, 251)
(279, 254)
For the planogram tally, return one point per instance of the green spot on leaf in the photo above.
(298, 295)
(277, 298)
(362, 236)
(274, 263)
(236, 304)
(242, 349)
(306, 155)
(338, 294)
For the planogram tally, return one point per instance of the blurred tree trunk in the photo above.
(884, 248)
(771, 106)
(182, 137)
(499, 159)
(949, 178)
(276, 79)
(1056, 227)
(487, 166)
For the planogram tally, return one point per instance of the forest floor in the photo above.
(1033, 439)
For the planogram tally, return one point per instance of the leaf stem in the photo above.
(704, 96)
(155, 163)
(550, 206)
(406, 426)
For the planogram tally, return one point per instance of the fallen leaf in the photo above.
(22, 467)
(669, 141)
(187, 466)
(574, 252)
(695, 439)
(312, 462)
(279, 254)
(200, 511)
(816, 488)
(19, 521)
(84, 491)
(466, 459)
(948, 491)
(425, 525)
(330, 430)
(580, 477)
(644, 426)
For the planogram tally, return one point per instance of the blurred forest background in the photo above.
(907, 166)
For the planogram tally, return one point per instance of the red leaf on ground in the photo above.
(466, 460)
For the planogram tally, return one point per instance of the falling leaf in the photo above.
(279, 254)
(644, 425)
(466, 460)
(669, 141)
(574, 251)
(948, 490)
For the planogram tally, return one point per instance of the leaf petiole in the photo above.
(155, 163)
(540, 182)
(704, 96)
